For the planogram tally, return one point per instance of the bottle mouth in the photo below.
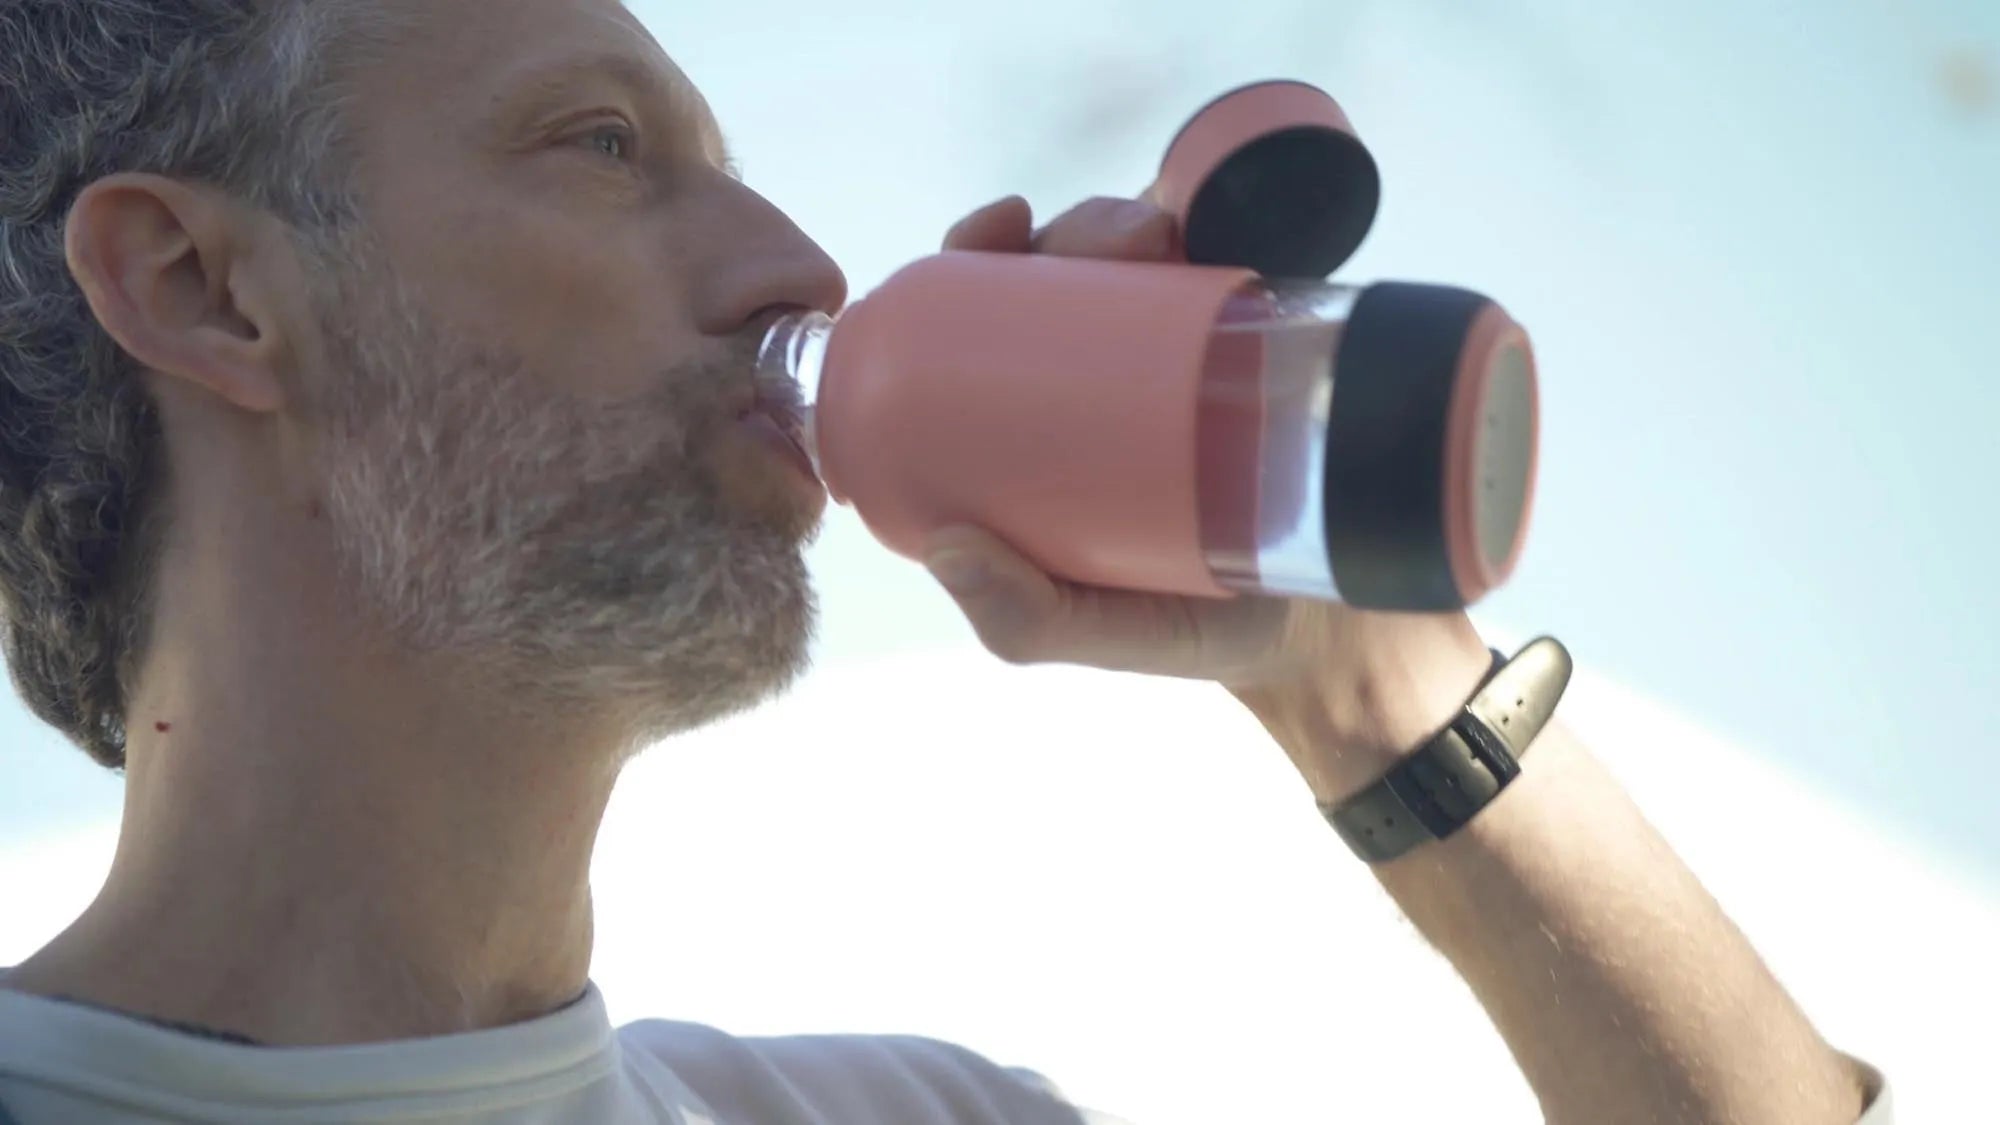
(793, 352)
(789, 364)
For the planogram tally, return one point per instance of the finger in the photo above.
(1024, 616)
(1003, 227)
(1123, 229)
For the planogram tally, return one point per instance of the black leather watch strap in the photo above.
(1435, 791)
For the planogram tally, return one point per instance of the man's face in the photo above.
(538, 353)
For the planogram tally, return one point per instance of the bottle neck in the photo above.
(794, 351)
(790, 362)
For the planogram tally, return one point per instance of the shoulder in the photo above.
(837, 1078)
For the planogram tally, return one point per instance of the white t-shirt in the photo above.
(63, 1063)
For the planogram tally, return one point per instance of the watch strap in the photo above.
(1437, 790)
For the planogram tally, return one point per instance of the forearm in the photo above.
(1623, 991)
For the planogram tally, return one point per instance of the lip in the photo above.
(781, 424)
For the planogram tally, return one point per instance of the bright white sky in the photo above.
(1756, 245)
(1117, 882)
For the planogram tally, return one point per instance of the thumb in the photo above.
(1011, 603)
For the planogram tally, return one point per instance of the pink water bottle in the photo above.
(1192, 429)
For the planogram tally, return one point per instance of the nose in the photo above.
(755, 261)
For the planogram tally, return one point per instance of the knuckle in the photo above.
(1100, 205)
(1090, 213)
(1107, 226)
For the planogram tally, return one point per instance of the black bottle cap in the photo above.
(1270, 177)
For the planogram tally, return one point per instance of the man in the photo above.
(380, 467)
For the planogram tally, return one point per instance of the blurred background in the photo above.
(1758, 245)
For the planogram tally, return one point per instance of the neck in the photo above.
(377, 856)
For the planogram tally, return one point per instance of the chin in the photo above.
(743, 644)
(804, 524)
(676, 711)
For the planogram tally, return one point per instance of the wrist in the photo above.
(1345, 724)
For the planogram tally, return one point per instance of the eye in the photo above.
(613, 140)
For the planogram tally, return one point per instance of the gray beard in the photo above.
(565, 552)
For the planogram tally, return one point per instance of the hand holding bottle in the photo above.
(1344, 691)
(1150, 437)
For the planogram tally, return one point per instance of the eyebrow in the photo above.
(642, 81)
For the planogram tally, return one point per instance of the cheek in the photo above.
(591, 307)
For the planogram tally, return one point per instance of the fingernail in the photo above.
(960, 572)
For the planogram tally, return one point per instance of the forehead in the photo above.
(469, 57)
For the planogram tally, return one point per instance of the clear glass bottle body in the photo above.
(1266, 399)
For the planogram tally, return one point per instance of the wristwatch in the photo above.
(1437, 790)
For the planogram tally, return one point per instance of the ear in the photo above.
(171, 272)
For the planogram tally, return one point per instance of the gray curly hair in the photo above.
(239, 94)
